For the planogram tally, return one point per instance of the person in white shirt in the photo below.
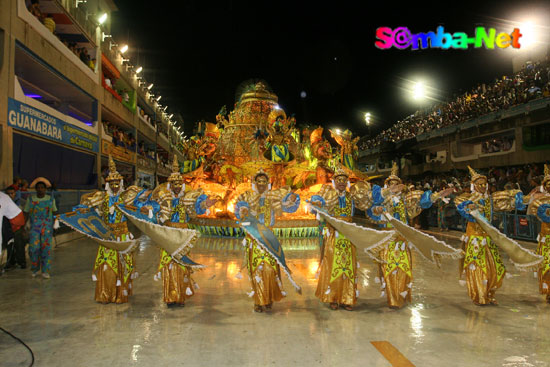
(11, 211)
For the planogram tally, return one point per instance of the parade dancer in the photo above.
(540, 207)
(338, 269)
(396, 269)
(173, 205)
(256, 209)
(483, 265)
(113, 270)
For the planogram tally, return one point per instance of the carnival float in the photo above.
(257, 134)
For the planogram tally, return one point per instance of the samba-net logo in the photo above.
(402, 38)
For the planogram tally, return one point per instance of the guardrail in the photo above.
(81, 18)
(513, 224)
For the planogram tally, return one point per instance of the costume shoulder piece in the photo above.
(130, 194)
(247, 196)
(462, 198)
(93, 198)
(534, 206)
(412, 202)
(327, 191)
(279, 194)
(361, 194)
(505, 200)
(330, 195)
(276, 197)
(161, 193)
(413, 197)
(190, 195)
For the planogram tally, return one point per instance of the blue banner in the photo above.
(27, 118)
(266, 239)
(89, 223)
(133, 212)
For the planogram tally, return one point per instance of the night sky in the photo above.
(197, 53)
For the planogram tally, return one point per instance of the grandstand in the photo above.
(503, 123)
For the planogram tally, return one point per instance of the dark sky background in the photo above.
(198, 52)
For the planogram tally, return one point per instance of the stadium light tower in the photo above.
(367, 118)
(419, 91)
(528, 34)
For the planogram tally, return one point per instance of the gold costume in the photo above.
(482, 263)
(264, 274)
(338, 270)
(175, 211)
(541, 208)
(114, 270)
(395, 273)
(263, 270)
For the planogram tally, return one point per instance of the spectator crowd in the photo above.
(120, 137)
(530, 83)
(49, 22)
(503, 144)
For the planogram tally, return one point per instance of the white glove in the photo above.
(56, 224)
(111, 209)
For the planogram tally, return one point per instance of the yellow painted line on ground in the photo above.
(392, 354)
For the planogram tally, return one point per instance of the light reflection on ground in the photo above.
(65, 327)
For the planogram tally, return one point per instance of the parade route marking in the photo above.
(392, 354)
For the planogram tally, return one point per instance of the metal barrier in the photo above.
(519, 226)
(513, 224)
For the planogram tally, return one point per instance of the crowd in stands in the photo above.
(497, 145)
(49, 22)
(532, 82)
(146, 117)
(163, 160)
(120, 93)
(162, 129)
(120, 137)
(145, 151)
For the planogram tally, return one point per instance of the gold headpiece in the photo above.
(316, 136)
(394, 174)
(113, 173)
(340, 171)
(347, 134)
(475, 176)
(211, 130)
(261, 172)
(546, 174)
(275, 114)
(175, 176)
